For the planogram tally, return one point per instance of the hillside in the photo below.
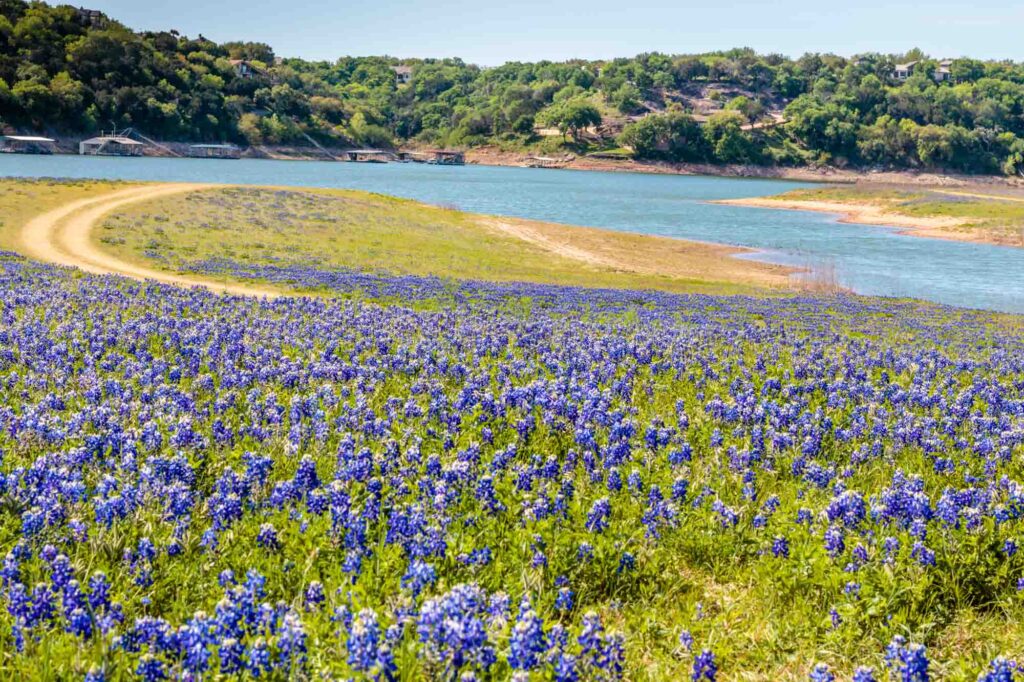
(69, 71)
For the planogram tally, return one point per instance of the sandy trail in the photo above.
(523, 231)
(979, 195)
(63, 236)
(644, 254)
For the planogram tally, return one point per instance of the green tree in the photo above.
(728, 141)
(571, 116)
(36, 100)
(674, 136)
(751, 109)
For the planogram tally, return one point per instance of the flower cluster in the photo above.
(494, 480)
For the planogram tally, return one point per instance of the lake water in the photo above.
(867, 259)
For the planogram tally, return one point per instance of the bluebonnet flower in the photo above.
(834, 541)
(908, 661)
(821, 673)
(150, 668)
(315, 594)
(924, 555)
(597, 519)
(257, 658)
(80, 623)
(704, 667)
(267, 537)
(564, 600)
(780, 547)
(231, 654)
(864, 674)
(527, 642)
(418, 576)
(1000, 669)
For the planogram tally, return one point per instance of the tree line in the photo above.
(67, 71)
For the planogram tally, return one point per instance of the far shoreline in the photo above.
(489, 156)
(492, 156)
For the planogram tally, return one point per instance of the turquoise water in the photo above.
(869, 260)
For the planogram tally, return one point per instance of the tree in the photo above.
(1014, 163)
(674, 136)
(823, 126)
(751, 109)
(250, 130)
(36, 100)
(258, 52)
(729, 143)
(888, 141)
(571, 116)
(967, 70)
(934, 145)
(626, 98)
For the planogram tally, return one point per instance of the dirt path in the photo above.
(644, 254)
(527, 233)
(979, 195)
(63, 236)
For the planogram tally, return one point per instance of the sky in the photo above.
(491, 33)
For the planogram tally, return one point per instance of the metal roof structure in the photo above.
(28, 138)
(113, 138)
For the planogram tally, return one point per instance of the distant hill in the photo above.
(67, 70)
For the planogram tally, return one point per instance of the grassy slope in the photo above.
(21, 200)
(358, 230)
(994, 218)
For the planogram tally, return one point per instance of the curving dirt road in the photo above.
(62, 236)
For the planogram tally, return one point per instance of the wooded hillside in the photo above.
(63, 70)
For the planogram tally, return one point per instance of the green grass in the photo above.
(366, 232)
(22, 199)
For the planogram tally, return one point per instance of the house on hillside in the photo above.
(91, 17)
(403, 74)
(943, 72)
(903, 71)
(246, 69)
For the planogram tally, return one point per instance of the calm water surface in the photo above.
(869, 260)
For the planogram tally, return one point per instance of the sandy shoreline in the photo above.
(950, 229)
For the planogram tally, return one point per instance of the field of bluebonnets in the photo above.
(503, 481)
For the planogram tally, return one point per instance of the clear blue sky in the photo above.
(490, 33)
